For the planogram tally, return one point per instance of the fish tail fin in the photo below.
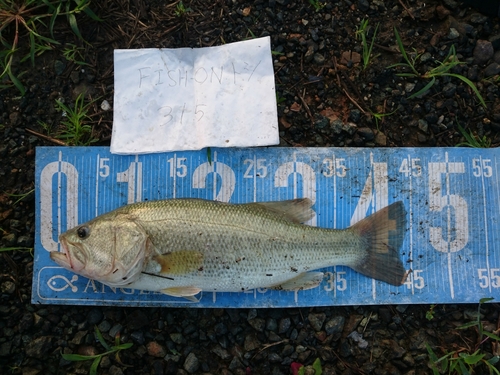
(383, 233)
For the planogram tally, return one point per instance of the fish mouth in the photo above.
(62, 258)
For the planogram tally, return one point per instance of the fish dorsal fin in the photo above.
(295, 210)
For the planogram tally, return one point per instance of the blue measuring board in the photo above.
(452, 197)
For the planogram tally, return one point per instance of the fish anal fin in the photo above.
(383, 234)
(180, 262)
(187, 292)
(304, 281)
(294, 210)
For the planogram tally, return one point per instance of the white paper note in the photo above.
(187, 99)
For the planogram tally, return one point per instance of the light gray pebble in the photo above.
(117, 328)
(335, 325)
(191, 364)
(453, 34)
(316, 321)
(8, 287)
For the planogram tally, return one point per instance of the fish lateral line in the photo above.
(155, 275)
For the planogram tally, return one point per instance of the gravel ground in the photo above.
(325, 98)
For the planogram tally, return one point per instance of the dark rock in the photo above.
(191, 364)
(251, 343)
(15, 119)
(492, 69)
(319, 58)
(221, 352)
(496, 57)
(335, 325)
(355, 115)
(336, 126)
(321, 122)
(5, 348)
(284, 325)
(115, 370)
(8, 287)
(363, 5)
(483, 51)
(220, 329)
(442, 12)
(366, 133)
(258, 324)
(136, 320)
(39, 347)
(9, 240)
(94, 316)
(473, 73)
(316, 321)
(449, 90)
(26, 322)
(380, 139)
(25, 241)
(271, 324)
(451, 4)
(478, 18)
(59, 67)
(156, 350)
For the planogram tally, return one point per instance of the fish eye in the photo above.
(83, 232)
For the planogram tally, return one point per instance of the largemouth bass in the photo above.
(181, 247)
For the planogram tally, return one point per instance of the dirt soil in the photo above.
(326, 97)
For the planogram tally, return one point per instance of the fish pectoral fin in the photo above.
(180, 262)
(182, 291)
(304, 281)
(294, 210)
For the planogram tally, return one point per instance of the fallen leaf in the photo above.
(285, 123)
(295, 107)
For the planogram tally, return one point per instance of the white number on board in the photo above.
(133, 178)
(492, 279)
(441, 200)
(411, 166)
(335, 280)
(482, 167)
(334, 166)
(257, 167)
(178, 167)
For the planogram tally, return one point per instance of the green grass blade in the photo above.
(16, 82)
(491, 335)
(14, 248)
(471, 85)
(491, 366)
(74, 25)
(89, 12)
(95, 364)
(463, 369)
(474, 358)
(100, 338)
(423, 90)
(122, 346)
(78, 357)
(485, 299)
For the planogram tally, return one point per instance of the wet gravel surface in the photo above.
(325, 98)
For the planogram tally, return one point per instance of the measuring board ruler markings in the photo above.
(451, 196)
